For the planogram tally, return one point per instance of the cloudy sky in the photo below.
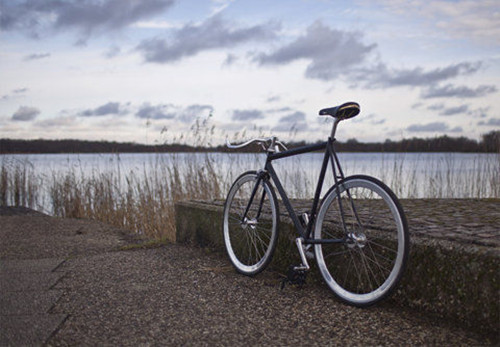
(146, 70)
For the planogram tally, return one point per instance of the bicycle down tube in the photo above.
(328, 156)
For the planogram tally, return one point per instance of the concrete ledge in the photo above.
(456, 280)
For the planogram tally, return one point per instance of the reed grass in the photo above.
(19, 185)
(142, 199)
(139, 201)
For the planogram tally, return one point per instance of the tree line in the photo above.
(489, 142)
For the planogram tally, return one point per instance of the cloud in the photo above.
(291, 127)
(491, 122)
(16, 93)
(191, 39)
(381, 76)
(186, 114)
(372, 119)
(273, 98)
(450, 91)
(25, 113)
(85, 16)
(36, 56)
(329, 51)
(451, 111)
(58, 122)
(112, 52)
(435, 107)
(481, 112)
(104, 110)
(148, 111)
(463, 19)
(245, 115)
(293, 122)
(192, 112)
(474, 19)
(433, 127)
(293, 118)
(334, 53)
(280, 110)
(230, 59)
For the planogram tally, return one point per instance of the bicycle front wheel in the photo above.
(250, 238)
(367, 220)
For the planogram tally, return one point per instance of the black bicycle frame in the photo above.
(269, 172)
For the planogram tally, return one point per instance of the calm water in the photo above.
(408, 174)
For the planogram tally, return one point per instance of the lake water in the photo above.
(420, 175)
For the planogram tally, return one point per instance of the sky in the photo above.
(200, 72)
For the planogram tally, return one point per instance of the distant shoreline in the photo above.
(490, 143)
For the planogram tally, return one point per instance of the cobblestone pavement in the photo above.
(110, 291)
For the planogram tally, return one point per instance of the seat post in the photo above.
(334, 127)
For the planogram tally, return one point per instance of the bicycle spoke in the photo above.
(355, 269)
(373, 223)
(336, 254)
(250, 230)
(348, 271)
(366, 268)
(384, 247)
(381, 267)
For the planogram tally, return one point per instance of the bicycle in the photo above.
(359, 230)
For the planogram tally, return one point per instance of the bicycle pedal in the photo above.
(294, 276)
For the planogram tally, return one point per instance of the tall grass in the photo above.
(142, 202)
(142, 199)
(19, 185)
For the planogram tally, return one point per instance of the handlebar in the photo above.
(269, 144)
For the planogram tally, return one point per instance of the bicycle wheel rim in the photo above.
(363, 271)
(250, 246)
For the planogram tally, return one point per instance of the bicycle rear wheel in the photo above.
(367, 265)
(250, 240)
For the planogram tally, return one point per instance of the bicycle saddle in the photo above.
(344, 111)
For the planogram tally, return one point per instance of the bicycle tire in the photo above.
(250, 243)
(368, 265)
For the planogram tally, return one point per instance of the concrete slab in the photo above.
(30, 265)
(36, 329)
(12, 282)
(28, 302)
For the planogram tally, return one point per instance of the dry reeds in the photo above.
(19, 185)
(142, 200)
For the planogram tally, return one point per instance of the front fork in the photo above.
(261, 175)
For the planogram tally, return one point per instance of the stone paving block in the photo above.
(36, 329)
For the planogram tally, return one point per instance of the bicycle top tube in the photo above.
(297, 151)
